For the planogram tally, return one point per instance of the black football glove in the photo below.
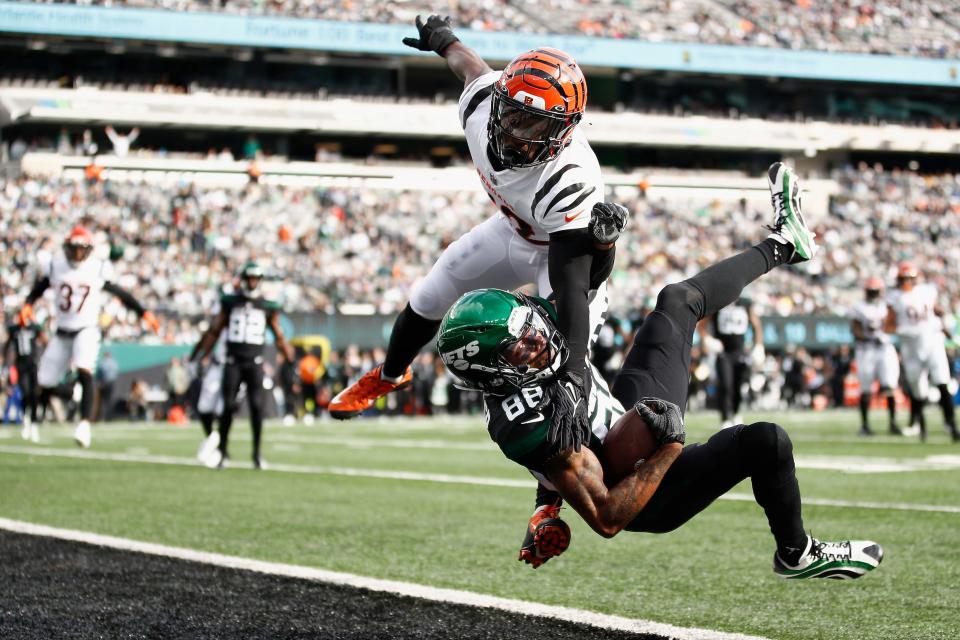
(664, 420)
(607, 220)
(570, 423)
(435, 35)
(547, 536)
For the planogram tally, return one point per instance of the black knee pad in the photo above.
(765, 444)
(679, 298)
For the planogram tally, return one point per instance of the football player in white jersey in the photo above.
(916, 316)
(77, 279)
(551, 227)
(875, 354)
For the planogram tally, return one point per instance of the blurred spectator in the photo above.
(107, 372)
(178, 381)
(121, 143)
(137, 400)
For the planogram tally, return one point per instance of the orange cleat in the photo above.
(361, 395)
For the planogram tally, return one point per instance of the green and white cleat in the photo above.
(845, 560)
(789, 227)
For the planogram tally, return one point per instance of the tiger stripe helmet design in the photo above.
(538, 100)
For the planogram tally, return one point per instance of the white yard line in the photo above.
(424, 592)
(421, 477)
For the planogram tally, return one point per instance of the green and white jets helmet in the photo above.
(250, 271)
(497, 341)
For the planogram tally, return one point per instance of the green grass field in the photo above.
(406, 500)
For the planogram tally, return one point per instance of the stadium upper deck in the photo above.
(911, 27)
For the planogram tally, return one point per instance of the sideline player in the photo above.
(506, 344)
(729, 326)
(77, 279)
(210, 401)
(875, 354)
(246, 315)
(541, 174)
(24, 338)
(916, 316)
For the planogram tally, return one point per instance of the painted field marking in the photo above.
(414, 476)
(424, 592)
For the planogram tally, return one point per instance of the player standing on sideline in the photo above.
(507, 345)
(77, 279)
(916, 316)
(729, 326)
(246, 315)
(24, 338)
(541, 174)
(875, 354)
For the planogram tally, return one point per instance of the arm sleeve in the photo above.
(39, 287)
(125, 297)
(570, 261)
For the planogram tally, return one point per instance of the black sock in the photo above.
(411, 332)
(723, 282)
(946, 403)
(206, 421)
(791, 554)
(864, 409)
(44, 402)
(892, 409)
(226, 421)
(86, 390)
(916, 410)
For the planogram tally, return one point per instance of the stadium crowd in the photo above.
(911, 27)
(174, 245)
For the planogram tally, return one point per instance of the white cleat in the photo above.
(215, 460)
(208, 446)
(82, 434)
(26, 430)
(34, 433)
(845, 560)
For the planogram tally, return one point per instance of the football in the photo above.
(628, 441)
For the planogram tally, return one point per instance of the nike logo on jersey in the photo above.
(536, 418)
(573, 217)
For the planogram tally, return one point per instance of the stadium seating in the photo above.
(913, 27)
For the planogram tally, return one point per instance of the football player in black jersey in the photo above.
(245, 315)
(729, 326)
(24, 339)
(508, 346)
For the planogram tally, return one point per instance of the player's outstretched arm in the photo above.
(41, 285)
(134, 305)
(436, 35)
(209, 337)
(578, 477)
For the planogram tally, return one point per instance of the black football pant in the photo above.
(658, 365)
(761, 451)
(732, 373)
(29, 388)
(236, 372)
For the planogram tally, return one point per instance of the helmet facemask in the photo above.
(250, 278)
(536, 353)
(522, 135)
(77, 251)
